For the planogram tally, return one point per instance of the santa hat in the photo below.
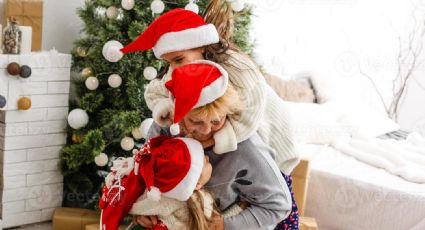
(195, 85)
(176, 30)
(171, 167)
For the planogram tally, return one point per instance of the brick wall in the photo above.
(30, 141)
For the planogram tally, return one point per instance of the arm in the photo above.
(251, 87)
(164, 207)
(264, 188)
(158, 101)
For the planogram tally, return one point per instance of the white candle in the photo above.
(26, 39)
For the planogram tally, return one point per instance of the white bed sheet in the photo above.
(345, 193)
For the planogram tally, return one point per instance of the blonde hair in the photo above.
(228, 104)
(196, 206)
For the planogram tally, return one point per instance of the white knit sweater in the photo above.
(264, 112)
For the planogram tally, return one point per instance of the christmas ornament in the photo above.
(127, 4)
(82, 52)
(86, 72)
(150, 73)
(25, 71)
(77, 138)
(112, 12)
(157, 6)
(92, 83)
(101, 160)
(114, 80)
(192, 7)
(238, 5)
(78, 118)
(24, 103)
(111, 51)
(13, 68)
(127, 143)
(136, 133)
(145, 126)
(2, 101)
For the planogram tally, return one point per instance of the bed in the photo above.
(364, 172)
(345, 193)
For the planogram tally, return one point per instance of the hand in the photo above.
(164, 116)
(217, 222)
(146, 221)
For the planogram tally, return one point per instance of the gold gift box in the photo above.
(74, 218)
(97, 227)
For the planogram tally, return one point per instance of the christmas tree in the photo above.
(106, 115)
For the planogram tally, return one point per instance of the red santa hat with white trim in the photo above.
(171, 167)
(176, 30)
(195, 85)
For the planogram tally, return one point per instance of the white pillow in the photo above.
(361, 121)
(314, 123)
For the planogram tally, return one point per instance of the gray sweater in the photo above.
(249, 174)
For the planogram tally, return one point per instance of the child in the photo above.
(174, 171)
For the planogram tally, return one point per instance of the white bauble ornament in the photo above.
(136, 133)
(111, 51)
(127, 143)
(92, 83)
(112, 12)
(238, 5)
(145, 126)
(157, 6)
(192, 7)
(101, 160)
(150, 73)
(127, 4)
(78, 118)
(114, 80)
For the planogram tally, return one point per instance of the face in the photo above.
(202, 128)
(205, 174)
(179, 58)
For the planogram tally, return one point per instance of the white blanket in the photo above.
(404, 158)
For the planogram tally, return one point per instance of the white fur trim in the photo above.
(183, 190)
(174, 129)
(214, 90)
(225, 139)
(163, 107)
(154, 194)
(186, 39)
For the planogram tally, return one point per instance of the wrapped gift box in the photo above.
(28, 13)
(97, 227)
(74, 218)
(300, 177)
(308, 223)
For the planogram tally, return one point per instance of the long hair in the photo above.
(220, 14)
(197, 218)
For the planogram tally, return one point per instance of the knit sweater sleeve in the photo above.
(251, 86)
(264, 188)
(155, 92)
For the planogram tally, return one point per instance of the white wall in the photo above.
(338, 38)
(61, 25)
